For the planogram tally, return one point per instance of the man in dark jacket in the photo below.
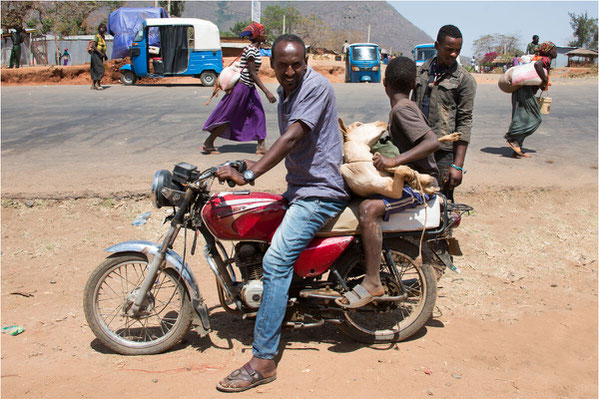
(15, 54)
(445, 93)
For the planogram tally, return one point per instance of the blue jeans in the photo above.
(302, 221)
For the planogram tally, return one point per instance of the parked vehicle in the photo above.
(363, 63)
(185, 47)
(143, 297)
(423, 52)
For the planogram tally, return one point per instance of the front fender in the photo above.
(127, 67)
(175, 262)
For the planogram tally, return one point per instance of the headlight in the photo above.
(162, 178)
(375, 68)
(355, 69)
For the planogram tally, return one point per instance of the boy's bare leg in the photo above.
(371, 213)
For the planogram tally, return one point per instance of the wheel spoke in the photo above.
(385, 321)
(160, 314)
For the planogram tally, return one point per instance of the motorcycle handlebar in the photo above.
(239, 165)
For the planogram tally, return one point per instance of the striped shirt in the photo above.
(250, 52)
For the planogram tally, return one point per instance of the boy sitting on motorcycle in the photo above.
(417, 144)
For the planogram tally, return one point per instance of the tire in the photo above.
(392, 322)
(162, 323)
(208, 78)
(128, 78)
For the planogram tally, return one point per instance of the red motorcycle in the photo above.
(143, 298)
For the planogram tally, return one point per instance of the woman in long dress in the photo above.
(239, 116)
(526, 114)
(98, 56)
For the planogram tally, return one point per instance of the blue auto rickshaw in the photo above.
(363, 63)
(175, 47)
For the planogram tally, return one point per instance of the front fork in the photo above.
(158, 260)
(152, 271)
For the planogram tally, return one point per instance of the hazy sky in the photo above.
(548, 19)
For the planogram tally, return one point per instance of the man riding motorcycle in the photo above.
(311, 146)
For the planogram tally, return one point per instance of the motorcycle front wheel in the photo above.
(163, 318)
(388, 322)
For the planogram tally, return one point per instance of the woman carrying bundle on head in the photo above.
(526, 114)
(239, 116)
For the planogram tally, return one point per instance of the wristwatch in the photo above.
(248, 176)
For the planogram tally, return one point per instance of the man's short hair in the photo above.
(288, 37)
(535, 37)
(401, 74)
(448, 30)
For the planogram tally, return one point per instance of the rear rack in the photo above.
(446, 222)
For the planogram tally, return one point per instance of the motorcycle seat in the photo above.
(411, 219)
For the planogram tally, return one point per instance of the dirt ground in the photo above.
(519, 321)
(79, 74)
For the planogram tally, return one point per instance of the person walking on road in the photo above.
(310, 143)
(526, 113)
(15, 53)
(98, 55)
(239, 116)
(445, 93)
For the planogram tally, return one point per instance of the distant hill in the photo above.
(388, 28)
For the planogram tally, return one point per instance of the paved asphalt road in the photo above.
(132, 131)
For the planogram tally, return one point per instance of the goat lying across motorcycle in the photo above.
(143, 298)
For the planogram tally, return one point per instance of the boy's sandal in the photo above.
(242, 379)
(357, 298)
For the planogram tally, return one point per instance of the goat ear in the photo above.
(342, 126)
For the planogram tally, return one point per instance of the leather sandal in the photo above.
(209, 150)
(247, 376)
(356, 298)
(261, 149)
(515, 147)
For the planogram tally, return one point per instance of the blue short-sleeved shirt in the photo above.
(313, 164)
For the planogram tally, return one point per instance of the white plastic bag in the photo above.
(229, 76)
(525, 75)
(526, 59)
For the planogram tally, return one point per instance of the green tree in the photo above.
(66, 18)
(316, 33)
(585, 31)
(507, 45)
(177, 7)
(272, 19)
(16, 12)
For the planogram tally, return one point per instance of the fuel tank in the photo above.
(244, 215)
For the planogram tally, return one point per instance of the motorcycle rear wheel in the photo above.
(391, 322)
(165, 315)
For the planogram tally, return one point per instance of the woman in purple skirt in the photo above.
(239, 115)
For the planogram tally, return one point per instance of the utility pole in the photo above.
(168, 7)
(283, 24)
(368, 41)
(289, 16)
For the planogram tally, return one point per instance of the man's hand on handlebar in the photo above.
(231, 174)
